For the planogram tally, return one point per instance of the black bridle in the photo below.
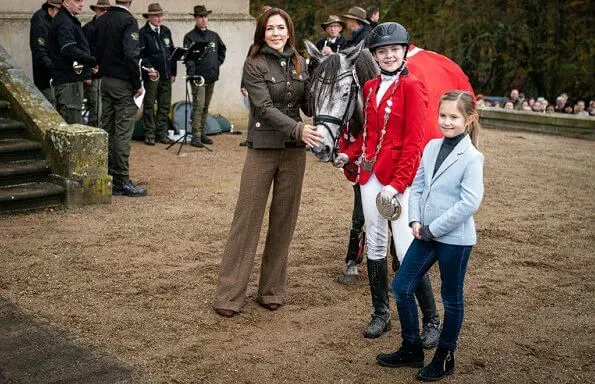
(325, 120)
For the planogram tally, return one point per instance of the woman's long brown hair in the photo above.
(261, 25)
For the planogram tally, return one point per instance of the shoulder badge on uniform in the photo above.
(134, 35)
(40, 41)
(167, 41)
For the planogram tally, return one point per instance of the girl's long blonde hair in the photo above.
(466, 105)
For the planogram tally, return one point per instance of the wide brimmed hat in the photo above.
(52, 3)
(332, 19)
(357, 13)
(101, 4)
(154, 9)
(201, 10)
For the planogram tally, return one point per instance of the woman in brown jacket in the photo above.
(276, 79)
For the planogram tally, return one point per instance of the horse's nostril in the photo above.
(327, 148)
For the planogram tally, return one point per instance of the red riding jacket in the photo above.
(398, 158)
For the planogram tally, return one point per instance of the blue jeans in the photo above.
(452, 262)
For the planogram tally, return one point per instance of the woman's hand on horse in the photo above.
(311, 136)
(341, 160)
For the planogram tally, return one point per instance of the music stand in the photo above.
(194, 52)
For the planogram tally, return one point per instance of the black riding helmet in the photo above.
(388, 34)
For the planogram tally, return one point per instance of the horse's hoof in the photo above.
(347, 279)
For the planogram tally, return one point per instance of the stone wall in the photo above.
(76, 154)
(557, 123)
(230, 18)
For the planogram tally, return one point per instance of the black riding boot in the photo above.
(380, 323)
(430, 333)
(409, 355)
(442, 364)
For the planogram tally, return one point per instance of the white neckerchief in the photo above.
(332, 41)
(154, 28)
(385, 83)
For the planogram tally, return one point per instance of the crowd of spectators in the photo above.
(518, 101)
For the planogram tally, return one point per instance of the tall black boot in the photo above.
(409, 355)
(430, 333)
(442, 364)
(380, 323)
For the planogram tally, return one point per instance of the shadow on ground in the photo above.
(32, 351)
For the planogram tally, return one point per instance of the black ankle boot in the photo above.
(380, 323)
(409, 355)
(442, 364)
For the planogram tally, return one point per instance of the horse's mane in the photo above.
(365, 67)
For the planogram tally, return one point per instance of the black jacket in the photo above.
(359, 35)
(38, 42)
(207, 64)
(155, 50)
(118, 47)
(67, 44)
(340, 43)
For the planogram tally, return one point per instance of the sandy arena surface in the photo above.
(123, 292)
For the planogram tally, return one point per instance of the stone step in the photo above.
(30, 196)
(21, 172)
(19, 149)
(4, 108)
(11, 129)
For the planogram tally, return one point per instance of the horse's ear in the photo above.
(313, 51)
(352, 53)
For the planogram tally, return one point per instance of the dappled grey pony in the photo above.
(336, 87)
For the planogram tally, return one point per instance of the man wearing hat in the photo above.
(206, 65)
(38, 36)
(69, 50)
(118, 54)
(156, 46)
(356, 22)
(92, 86)
(334, 40)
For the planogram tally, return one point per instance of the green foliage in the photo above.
(542, 47)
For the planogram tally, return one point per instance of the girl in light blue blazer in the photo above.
(446, 192)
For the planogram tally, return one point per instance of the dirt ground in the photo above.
(123, 292)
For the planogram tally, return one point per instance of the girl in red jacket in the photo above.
(387, 153)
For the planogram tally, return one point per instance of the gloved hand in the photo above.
(425, 233)
(387, 194)
(341, 160)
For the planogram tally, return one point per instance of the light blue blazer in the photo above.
(447, 201)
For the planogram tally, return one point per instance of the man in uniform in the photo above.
(41, 22)
(93, 85)
(206, 65)
(156, 46)
(358, 25)
(118, 54)
(334, 40)
(69, 51)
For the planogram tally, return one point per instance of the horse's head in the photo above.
(335, 91)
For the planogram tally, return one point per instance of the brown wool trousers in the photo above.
(284, 170)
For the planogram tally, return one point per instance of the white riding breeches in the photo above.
(377, 225)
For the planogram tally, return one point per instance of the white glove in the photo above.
(387, 194)
(341, 160)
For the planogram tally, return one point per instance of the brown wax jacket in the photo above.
(276, 92)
